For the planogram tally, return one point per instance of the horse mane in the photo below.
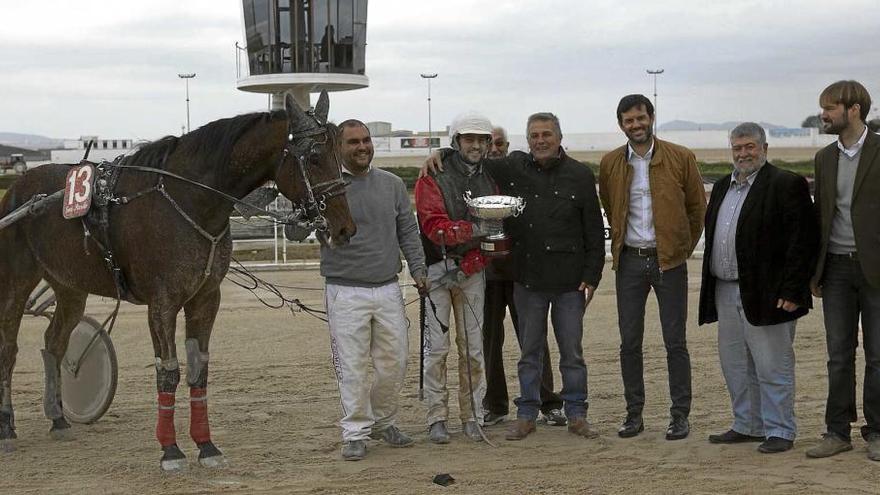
(210, 145)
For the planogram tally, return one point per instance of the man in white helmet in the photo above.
(455, 270)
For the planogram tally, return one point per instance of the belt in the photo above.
(844, 256)
(643, 252)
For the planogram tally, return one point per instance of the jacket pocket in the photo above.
(563, 245)
(565, 203)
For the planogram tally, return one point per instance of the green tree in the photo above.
(812, 121)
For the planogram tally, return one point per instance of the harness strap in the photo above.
(181, 178)
(124, 200)
(214, 240)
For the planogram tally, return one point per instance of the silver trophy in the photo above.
(490, 212)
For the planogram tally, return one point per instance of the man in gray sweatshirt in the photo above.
(365, 307)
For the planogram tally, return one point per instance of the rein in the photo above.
(306, 214)
(303, 146)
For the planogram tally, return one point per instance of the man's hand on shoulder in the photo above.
(433, 164)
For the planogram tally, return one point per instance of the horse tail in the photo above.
(9, 201)
(34, 181)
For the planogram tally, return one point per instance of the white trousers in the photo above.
(466, 305)
(367, 326)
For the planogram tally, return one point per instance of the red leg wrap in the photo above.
(165, 425)
(198, 421)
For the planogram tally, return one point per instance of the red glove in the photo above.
(473, 262)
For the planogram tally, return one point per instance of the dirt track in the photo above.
(274, 404)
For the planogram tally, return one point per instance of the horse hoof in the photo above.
(173, 465)
(7, 445)
(61, 434)
(214, 462)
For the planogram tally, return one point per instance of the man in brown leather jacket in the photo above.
(655, 201)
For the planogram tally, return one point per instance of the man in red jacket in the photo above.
(455, 270)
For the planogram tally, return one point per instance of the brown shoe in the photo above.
(520, 429)
(580, 427)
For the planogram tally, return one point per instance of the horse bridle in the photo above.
(303, 146)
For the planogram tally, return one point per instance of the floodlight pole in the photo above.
(655, 73)
(429, 76)
(186, 78)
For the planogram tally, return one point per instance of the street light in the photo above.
(187, 77)
(429, 76)
(655, 73)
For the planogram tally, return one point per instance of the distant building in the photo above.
(379, 128)
(102, 149)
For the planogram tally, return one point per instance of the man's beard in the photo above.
(836, 127)
(467, 158)
(747, 170)
(647, 138)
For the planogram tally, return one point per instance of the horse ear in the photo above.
(294, 112)
(322, 108)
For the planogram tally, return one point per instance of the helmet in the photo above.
(469, 123)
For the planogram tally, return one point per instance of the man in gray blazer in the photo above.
(847, 275)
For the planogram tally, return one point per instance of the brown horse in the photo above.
(170, 238)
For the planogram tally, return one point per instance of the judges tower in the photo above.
(304, 46)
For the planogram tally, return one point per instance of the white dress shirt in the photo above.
(640, 220)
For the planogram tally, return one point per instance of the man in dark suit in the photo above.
(761, 242)
(847, 274)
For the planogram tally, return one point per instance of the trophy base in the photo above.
(495, 248)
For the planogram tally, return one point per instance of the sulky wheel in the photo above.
(88, 373)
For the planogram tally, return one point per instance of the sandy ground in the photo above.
(274, 407)
(703, 155)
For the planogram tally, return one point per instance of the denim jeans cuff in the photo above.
(528, 416)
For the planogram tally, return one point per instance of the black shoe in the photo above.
(678, 428)
(775, 445)
(631, 427)
(491, 418)
(731, 436)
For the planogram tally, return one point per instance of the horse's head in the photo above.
(310, 173)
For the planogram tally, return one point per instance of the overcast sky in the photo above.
(109, 68)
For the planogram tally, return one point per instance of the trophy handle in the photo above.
(467, 197)
(520, 206)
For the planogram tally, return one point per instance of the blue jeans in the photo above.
(567, 314)
(846, 295)
(758, 366)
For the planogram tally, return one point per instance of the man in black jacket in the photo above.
(761, 242)
(558, 253)
(499, 299)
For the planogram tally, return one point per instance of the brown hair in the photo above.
(848, 93)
